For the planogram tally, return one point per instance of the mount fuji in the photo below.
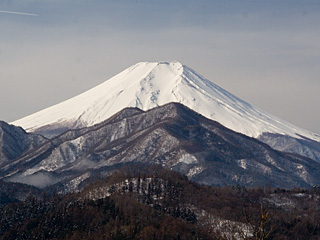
(147, 85)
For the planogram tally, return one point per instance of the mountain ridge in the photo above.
(14, 141)
(173, 136)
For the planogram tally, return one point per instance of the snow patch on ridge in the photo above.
(188, 159)
(242, 163)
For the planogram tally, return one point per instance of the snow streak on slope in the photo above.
(147, 85)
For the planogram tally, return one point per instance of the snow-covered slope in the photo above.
(150, 84)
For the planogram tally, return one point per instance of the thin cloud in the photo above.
(19, 13)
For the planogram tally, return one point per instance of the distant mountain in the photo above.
(172, 136)
(147, 85)
(302, 146)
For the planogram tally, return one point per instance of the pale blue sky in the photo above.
(265, 52)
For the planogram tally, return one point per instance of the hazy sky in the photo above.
(265, 52)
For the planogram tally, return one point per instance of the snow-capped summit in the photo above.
(150, 84)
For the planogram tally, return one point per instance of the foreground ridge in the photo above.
(172, 136)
